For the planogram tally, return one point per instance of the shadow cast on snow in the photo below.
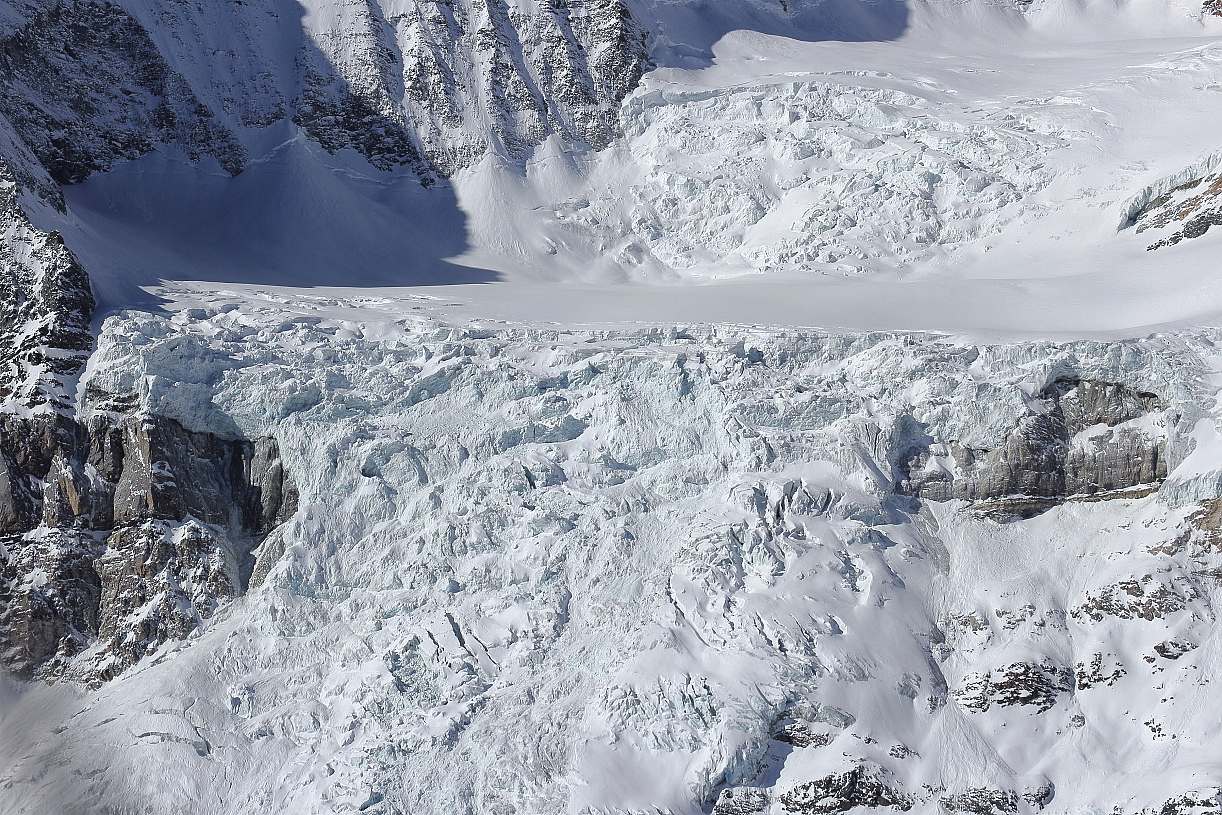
(301, 216)
(300, 213)
(684, 33)
(298, 218)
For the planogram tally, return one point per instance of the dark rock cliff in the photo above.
(126, 530)
(84, 86)
(1080, 438)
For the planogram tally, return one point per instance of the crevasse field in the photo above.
(826, 421)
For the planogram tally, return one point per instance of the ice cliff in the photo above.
(396, 566)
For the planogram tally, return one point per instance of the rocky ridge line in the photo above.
(45, 307)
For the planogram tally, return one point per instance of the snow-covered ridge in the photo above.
(299, 550)
(45, 306)
(528, 563)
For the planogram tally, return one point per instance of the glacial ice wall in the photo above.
(844, 174)
(647, 570)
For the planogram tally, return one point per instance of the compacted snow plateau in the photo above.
(600, 408)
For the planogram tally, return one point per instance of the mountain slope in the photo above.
(294, 518)
(869, 151)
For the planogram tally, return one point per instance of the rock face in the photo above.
(839, 792)
(1188, 209)
(84, 86)
(445, 82)
(127, 529)
(88, 83)
(1078, 438)
(45, 306)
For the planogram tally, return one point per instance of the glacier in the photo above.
(545, 570)
(609, 407)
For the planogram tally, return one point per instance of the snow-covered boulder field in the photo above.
(670, 569)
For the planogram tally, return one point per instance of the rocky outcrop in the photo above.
(857, 787)
(800, 734)
(158, 580)
(1193, 206)
(124, 529)
(49, 599)
(448, 81)
(1038, 685)
(1199, 802)
(741, 801)
(45, 308)
(982, 801)
(1146, 598)
(84, 86)
(1079, 438)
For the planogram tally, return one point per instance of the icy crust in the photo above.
(771, 163)
(654, 570)
(236, 370)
